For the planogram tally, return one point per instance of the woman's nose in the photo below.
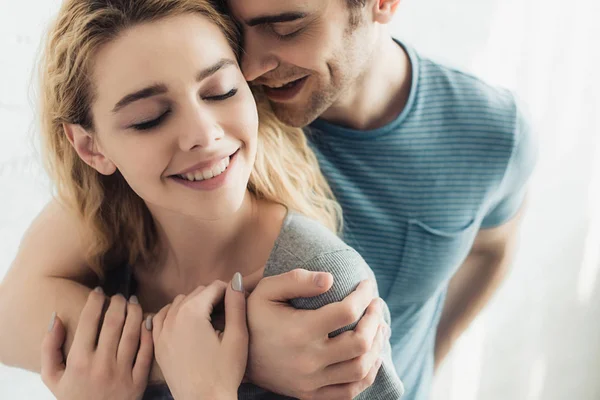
(200, 131)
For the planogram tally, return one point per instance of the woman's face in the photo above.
(175, 116)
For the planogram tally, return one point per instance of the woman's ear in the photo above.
(85, 146)
(384, 10)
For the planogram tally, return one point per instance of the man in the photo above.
(429, 165)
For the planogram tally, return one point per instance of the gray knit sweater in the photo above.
(304, 243)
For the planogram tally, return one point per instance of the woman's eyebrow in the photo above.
(160, 88)
(149, 91)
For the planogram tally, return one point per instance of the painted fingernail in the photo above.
(98, 289)
(134, 300)
(52, 321)
(149, 322)
(320, 280)
(236, 283)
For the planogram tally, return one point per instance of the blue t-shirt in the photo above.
(416, 192)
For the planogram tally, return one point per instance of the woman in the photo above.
(153, 140)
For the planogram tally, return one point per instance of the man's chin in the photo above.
(295, 115)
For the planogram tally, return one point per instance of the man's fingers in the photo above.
(86, 334)
(358, 368)
(53, 364)
(348, 390)
(337, 315)
(294, 284)
(357, 342)
(235, 337)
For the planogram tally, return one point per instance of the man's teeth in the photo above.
(204, 174)
(286, 85)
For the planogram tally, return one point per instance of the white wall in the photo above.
(539, 338)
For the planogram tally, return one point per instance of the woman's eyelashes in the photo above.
(147, 125)
(221, 97)
(153, 123)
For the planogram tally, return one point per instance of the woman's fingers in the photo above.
(143, 361)
(158, 321)
(177, 302)
(235, 337)
(53, 365)
(87, 328)
(130, 338)
(112, 328)
(204, 302)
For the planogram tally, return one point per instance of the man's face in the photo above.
(304, 53)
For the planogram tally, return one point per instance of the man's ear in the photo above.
(384, 10)
(85, 146)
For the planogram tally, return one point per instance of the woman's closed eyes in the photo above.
(153, 123)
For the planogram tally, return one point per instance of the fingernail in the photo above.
(320, 280)
(98, 289)
(134, 300)
(149, 322)
(388, 332)
(52, 321)
(236, 283)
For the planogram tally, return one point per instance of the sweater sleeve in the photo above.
(349, 269)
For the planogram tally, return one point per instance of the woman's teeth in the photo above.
(209, 173)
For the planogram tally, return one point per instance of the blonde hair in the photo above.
(120, 226)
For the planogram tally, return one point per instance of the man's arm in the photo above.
(475, 282)
(47, 275)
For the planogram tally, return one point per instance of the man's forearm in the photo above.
(25, 314)
(469, 291)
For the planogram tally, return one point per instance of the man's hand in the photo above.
(290, 351)
(475, 282)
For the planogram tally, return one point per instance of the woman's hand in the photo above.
(117, 367)
(197, 361)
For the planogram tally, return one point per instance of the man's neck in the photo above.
(379, 95)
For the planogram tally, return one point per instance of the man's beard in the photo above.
(300, 115)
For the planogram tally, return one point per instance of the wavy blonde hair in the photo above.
(120, 226)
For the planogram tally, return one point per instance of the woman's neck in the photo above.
(196, 252)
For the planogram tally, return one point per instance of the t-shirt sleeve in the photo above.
(349, 269)
(510, 195)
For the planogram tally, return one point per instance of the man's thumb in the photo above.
(294, 284)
